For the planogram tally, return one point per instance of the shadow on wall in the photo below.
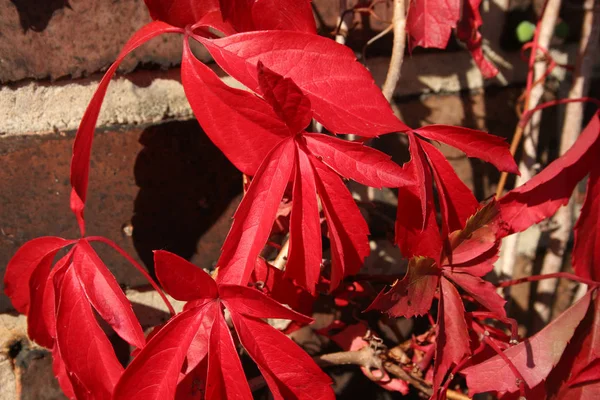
(185, 184)
(36, 14)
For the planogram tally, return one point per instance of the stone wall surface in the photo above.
(74, 38)
(141, 97)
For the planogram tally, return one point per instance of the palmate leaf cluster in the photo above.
(294, 76)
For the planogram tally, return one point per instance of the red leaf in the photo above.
(417, 234)
(586, 250)
(412, 239)
(452, 340)
(225, 372)
(351, 337)
(473, 143)
(290, 15)
(248, 15)
(238, 13)
(338, 102)
(413, 294)
(191, 386)
(200, 330)
(281, 289)
(180, 12)
(348, 231)
(80, 163)
(252, 303)
(420, 169)
(305, 251)
(589, 352)
(457, 202)
(198, 349)
(589, 374)
(58, 368)
(255, 215)
(576, 377)
(104, 293)
(482, 291)
(288, 101)
(49, 301)
(153, 374)
(243, 126)
(429, 22)
(358, 162)
(85, 349)
(36, 323)
(534, 358)
(288, 370)
(474, 249)
(486, 67)
(23, 264)
(468, 32)
(480, 227)
(540, 197)
(480, 242)
(182, 279)
(214, 20)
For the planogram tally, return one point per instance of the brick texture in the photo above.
(60, 38)
(162, 187)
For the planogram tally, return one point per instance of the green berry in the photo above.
(525, 31)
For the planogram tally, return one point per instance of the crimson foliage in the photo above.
(294, 76)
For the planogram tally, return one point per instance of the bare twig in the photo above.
(344, 21)
(366, 357)
(563, 218)
(375, 38)
(534, 92)
(400, 373)
(532, 131)
(281, 258)
(393, 74)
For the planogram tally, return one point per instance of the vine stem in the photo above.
(365, 357)
(485, 339)
(564, 217)
(581, 99)
(534, 88)
(536, 278)
(514, 325)
(511, 366)
(393, 74)
(525, 117)
(533, 94)
(137, 266)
